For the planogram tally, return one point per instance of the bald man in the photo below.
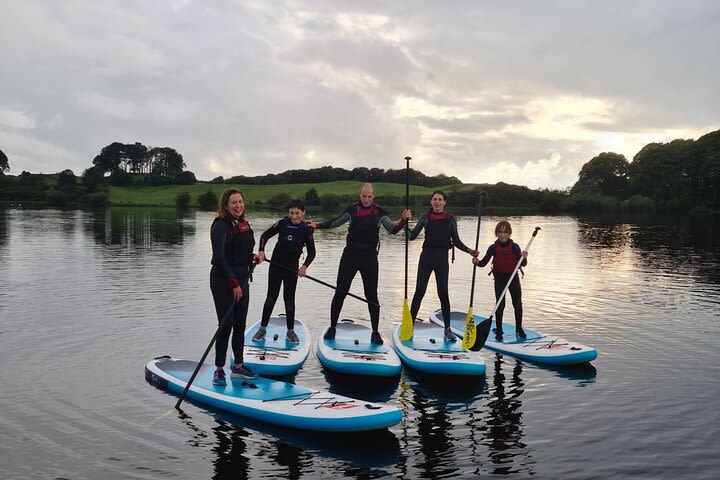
(360, 254)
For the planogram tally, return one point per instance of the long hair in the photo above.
(225, 199)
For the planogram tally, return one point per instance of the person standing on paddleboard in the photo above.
(441, 234)
(232, 242)
(360, 255)
(293, 234)
(505, 254)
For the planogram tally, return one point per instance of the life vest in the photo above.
(240, 241)
(505, 259)
(437, 230)
(364, 229)
(291, 239)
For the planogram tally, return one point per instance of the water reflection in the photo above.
(504, 431)
(140, 226)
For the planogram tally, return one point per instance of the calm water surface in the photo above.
(87, 298)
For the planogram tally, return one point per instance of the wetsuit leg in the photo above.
(223, 300)
(346, 272)
(289, 285)
(369, 272)
(275, 278)
(516, 295)
(442, 272)
(500, 282)
(423, 277)
(238, 326)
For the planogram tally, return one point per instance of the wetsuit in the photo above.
(283, 269)
(360, 255)
(232, 252)
(440, 235)
(505, 257)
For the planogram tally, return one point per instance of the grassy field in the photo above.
(165, 195)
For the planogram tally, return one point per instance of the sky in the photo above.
(522, 92)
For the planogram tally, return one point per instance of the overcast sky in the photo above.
(523, 92)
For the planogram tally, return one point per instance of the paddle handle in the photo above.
(477, 244)
(407, 207)
(517, 267)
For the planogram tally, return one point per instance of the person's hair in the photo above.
(225, 199)
(367, 184)
(503, 225)
(296, 203)
(439, 192)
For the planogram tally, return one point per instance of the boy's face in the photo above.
(503, 235)
(295, 215)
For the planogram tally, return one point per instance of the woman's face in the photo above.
(437, 202)
(236, 205)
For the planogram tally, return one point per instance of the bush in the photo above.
(56, 198)
(638, 203)
(96, 199)
(279, 200)
(182, 201)
(591, 202)
(219, 179)
(120, 178)
(185, 178)
(312, 197)
(331, 201)
(208, 200)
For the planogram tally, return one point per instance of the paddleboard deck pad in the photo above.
(427, 351)
(274, 355)
(272, 401)
(351, 352)
(537, 347)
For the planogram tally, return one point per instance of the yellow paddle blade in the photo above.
(406, 327)
(470, 332)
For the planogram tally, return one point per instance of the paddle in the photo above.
(483, 327)
(470, 331)
(406, 327)
(321, 282)
(212, 341)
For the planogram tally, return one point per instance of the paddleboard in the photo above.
(352, 352)
(274, 355)
(537, 347)
(272, 401)
(427, 351)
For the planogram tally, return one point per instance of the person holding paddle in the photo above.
(232, 242)
(293, 234)
(360, 255)
(505, 254)
(441, 234)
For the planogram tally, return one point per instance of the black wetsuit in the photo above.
(360, 255)
(232, 251)
(440, 235)
(505, 257)
(283, 269)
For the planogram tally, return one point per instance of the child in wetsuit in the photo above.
(505, 254)
(293, 235)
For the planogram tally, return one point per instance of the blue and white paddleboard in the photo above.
(272, 401)
(274, 355)
(537, 347)
(427, 351)
(352, 352)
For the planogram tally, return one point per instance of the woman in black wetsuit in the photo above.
(440, 235)
(232, 256)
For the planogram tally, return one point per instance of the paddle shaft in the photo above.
(212, 342)
(322, 283)
(477, 244)
(517, 267)
(407, 207)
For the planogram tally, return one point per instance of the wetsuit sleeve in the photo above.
(518, 254)
(267, 235)
(218, 237)
(337, 221)
(310, 246)
(418, 227)
(455, 237)
(488, 255)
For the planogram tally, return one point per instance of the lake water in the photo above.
(87, 298)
